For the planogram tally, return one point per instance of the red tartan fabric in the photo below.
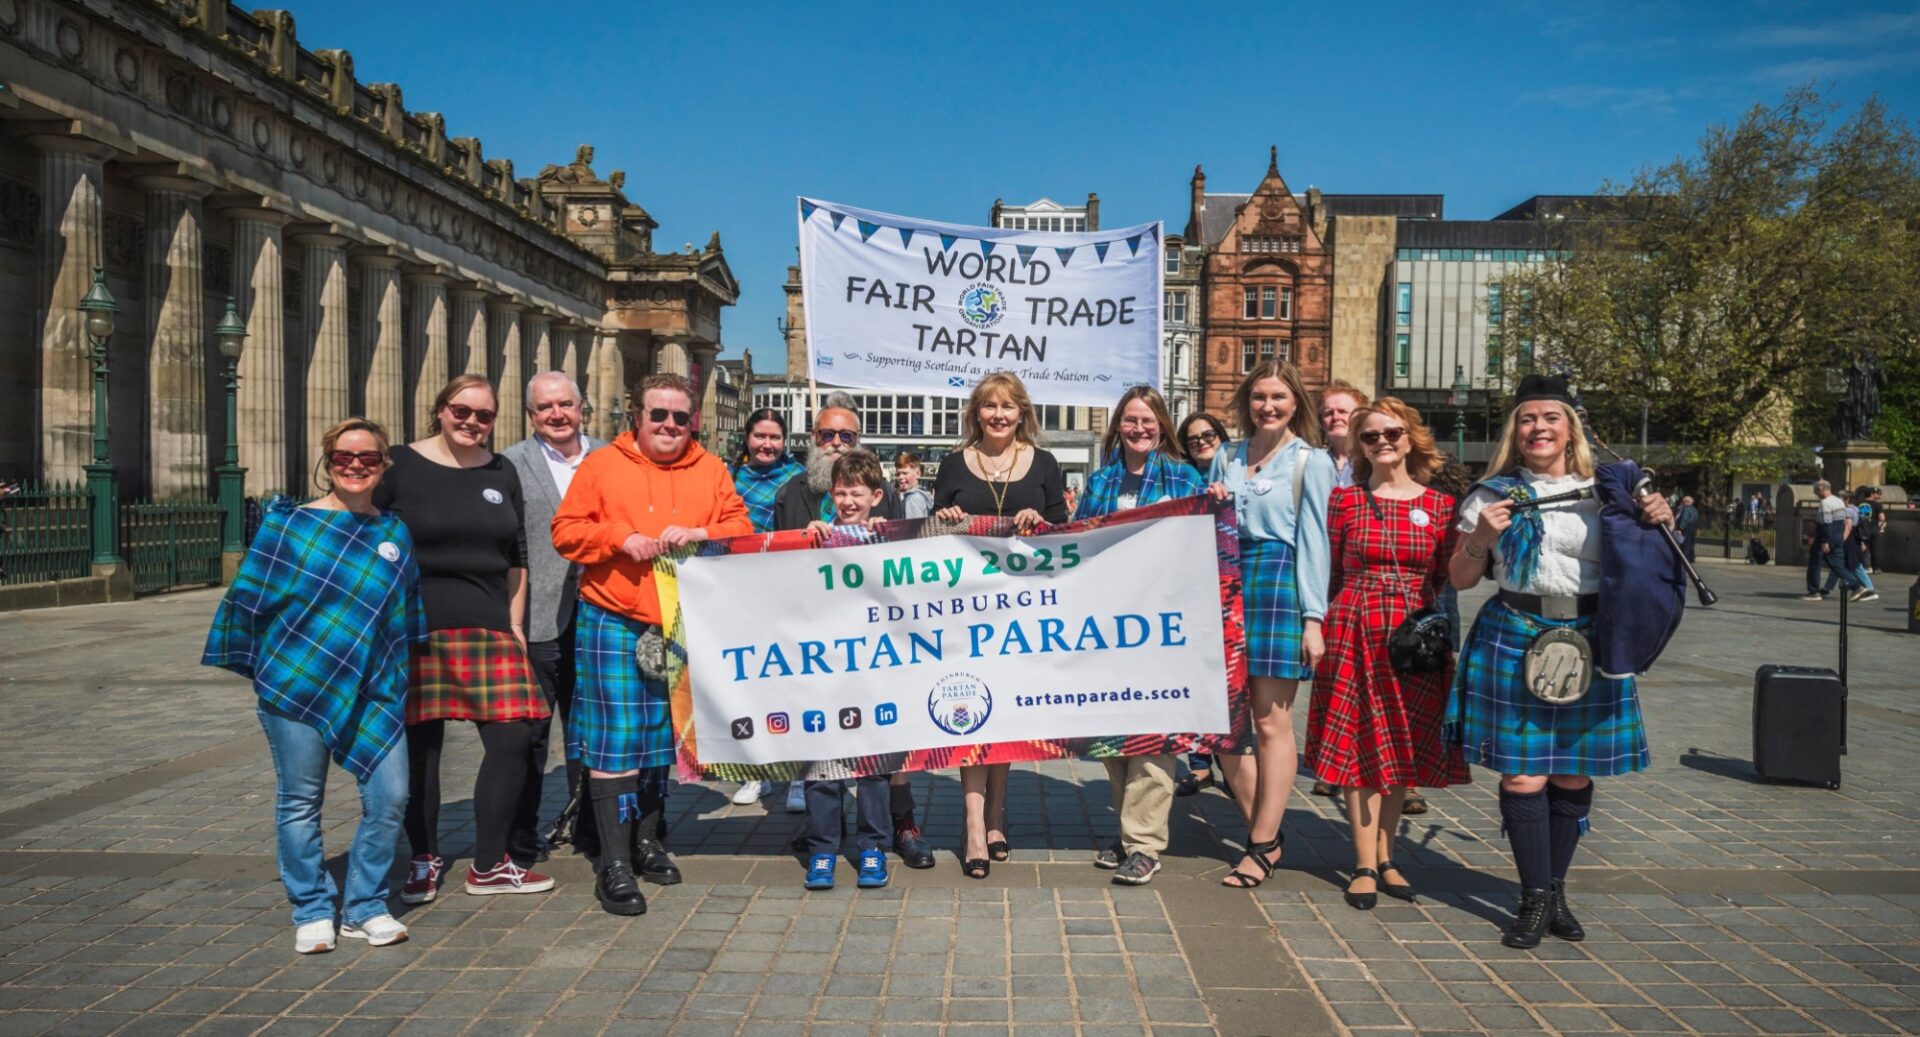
(470, 673)
(1369, 726)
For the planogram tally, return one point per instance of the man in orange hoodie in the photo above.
(654, 491)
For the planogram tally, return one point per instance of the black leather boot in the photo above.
(1530, 920)
(616, 890)
(1561, 922)
(651, 855)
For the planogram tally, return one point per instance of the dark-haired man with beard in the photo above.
(807, 500)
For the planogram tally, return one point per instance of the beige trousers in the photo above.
(1143, 798)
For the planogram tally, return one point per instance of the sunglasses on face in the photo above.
(1374, 436)
(462, 412)
(345, 459)
(1203, 439)
(660, 416)
(823, 436)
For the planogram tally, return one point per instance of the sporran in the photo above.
(1559, 666)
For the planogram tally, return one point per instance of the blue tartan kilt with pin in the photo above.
(620, 708)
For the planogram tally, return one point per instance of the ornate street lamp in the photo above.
(99, 309)
(232, 335)
(1458, 400)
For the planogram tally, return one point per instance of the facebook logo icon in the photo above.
(886, 713)
(813, 721)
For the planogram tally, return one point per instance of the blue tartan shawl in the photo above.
(320, 617)
(1163, 478)
(757, 485)
(1520, 542)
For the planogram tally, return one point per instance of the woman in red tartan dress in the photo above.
(1373, 732)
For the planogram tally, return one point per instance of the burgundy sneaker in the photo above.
(423, 879)
(507, 877)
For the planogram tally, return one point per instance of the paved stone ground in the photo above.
(138, 893)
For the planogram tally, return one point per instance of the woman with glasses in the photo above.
(763, 467)
(1143, 467)
(1203, 435)
(999, 470)
(320, 617)
(1371, 731)
(463, 505)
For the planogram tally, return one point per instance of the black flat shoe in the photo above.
(617, 892)
(999, 850)
(1362, 901)
(1530, 920)
(977, 868)
(1398, 891)
(1560, 921)
(1192, 784)
(913, 850)
(655, 866)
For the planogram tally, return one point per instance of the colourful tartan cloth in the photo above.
(320, 617)
(1500, 725)
(758, 486)
(619, 712)
(471, 673)
(1274, 624)
(1162, 479)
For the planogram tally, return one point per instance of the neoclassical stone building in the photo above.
(196, 151)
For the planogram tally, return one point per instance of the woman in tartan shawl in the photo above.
(1144, 466)
(764, 466)
(321, 617)
(1547, 562)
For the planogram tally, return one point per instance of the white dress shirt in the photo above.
(560, 465)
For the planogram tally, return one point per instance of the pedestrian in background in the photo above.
(1827, 546)
(321, 616)
(1686, 525)
(1338, 401)
(916, 501)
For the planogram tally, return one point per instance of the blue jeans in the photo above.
(300, 762)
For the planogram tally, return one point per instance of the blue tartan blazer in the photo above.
(1164, 478)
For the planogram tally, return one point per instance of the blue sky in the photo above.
(722, 112)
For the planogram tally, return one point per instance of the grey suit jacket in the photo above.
(551, 579)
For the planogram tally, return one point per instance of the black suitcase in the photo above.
(1799, 724)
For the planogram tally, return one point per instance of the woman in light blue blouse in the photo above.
(1280, 481)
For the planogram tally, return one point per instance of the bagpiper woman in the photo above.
(1547, 739)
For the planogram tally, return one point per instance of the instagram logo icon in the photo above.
(777, 723)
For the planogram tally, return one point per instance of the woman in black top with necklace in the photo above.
(1001, 471)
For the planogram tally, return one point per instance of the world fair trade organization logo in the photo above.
(982, 305)
(960, 704)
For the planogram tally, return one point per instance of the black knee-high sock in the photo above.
(616, 809)
(900, 804)
(1568, 808)
(1524, 817)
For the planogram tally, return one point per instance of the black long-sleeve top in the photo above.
(1043, 488)
(468, 527)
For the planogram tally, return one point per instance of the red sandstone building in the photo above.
(1267, 288)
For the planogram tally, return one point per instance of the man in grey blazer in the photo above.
(546, 462)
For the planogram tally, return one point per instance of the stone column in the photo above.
(324, 390)
(176, 337)
(539, 342)
(704, 355)
(566, 351)
(379, 371)
(467, 335)
(426, 362)
(506, 369)
(609, 393)
(71, 174)
(258, 275)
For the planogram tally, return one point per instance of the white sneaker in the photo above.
(314, 937)
(1867, 596)
(378, 931)
(749, 793)
(796, 797)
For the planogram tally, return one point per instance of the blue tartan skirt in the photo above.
(621, 719)
(1270, 592)
(1501, 725)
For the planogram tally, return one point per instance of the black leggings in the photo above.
(496, 790)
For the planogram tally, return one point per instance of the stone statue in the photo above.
(618, 178)
(580, 171)
(1860, 406)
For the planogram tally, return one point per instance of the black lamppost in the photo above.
(99, 308)
(1458, 400)
(232, 335)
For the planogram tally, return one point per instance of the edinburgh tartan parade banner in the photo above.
(907, 305)
(902, 648)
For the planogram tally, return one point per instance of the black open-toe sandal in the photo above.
(999, 850)
(977, 868)
(1398, 891)
(1362, 901)
(1258, 854)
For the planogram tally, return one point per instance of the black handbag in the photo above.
(1422, 642)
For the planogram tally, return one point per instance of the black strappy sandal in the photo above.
(1362, 901)
(999, 850)
(977, 868)
(1398, 891)
(1258, 854)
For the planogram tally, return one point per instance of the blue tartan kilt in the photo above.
(1501, 725)
(1271, 595)
(621, 719)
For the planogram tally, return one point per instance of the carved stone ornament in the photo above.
(179, 91)
(330, 166)
(10, 16)
(297, 150)
(126, 68)
(262, 132)
(1273, 210)
(359, 180)
(71, 42)
(222, 112)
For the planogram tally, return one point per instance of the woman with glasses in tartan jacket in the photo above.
(1373, 732)
(321, 617)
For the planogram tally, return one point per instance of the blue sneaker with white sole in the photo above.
(873, 869)
(820, 871)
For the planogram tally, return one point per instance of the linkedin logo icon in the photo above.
(886, 713)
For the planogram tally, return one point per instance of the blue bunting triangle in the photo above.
(986, 247)
(806, 209)
(1100, 249)
(1064, 253)
(867, 229)
(1133, 245)
(906, 237)
(1026, 252)
(946, 241)
(837, 217)
(1155, 231)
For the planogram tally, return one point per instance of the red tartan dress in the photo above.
(1369, 726)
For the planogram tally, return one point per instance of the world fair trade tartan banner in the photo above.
(960, 644)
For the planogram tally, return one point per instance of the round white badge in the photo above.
(1261, 486)
(389, 550)
(1419, 517)
(493, 496)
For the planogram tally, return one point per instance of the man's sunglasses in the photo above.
(1203, 439)
(345, 459)
(462, 412)
(823, 436)
(1374, 435)
(659, 416)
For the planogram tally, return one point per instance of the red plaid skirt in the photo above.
(470, 673)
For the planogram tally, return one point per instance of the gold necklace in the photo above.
(1004, 477)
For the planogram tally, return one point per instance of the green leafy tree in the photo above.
(1718, 291)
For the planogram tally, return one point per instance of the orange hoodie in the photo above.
(619, 492)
